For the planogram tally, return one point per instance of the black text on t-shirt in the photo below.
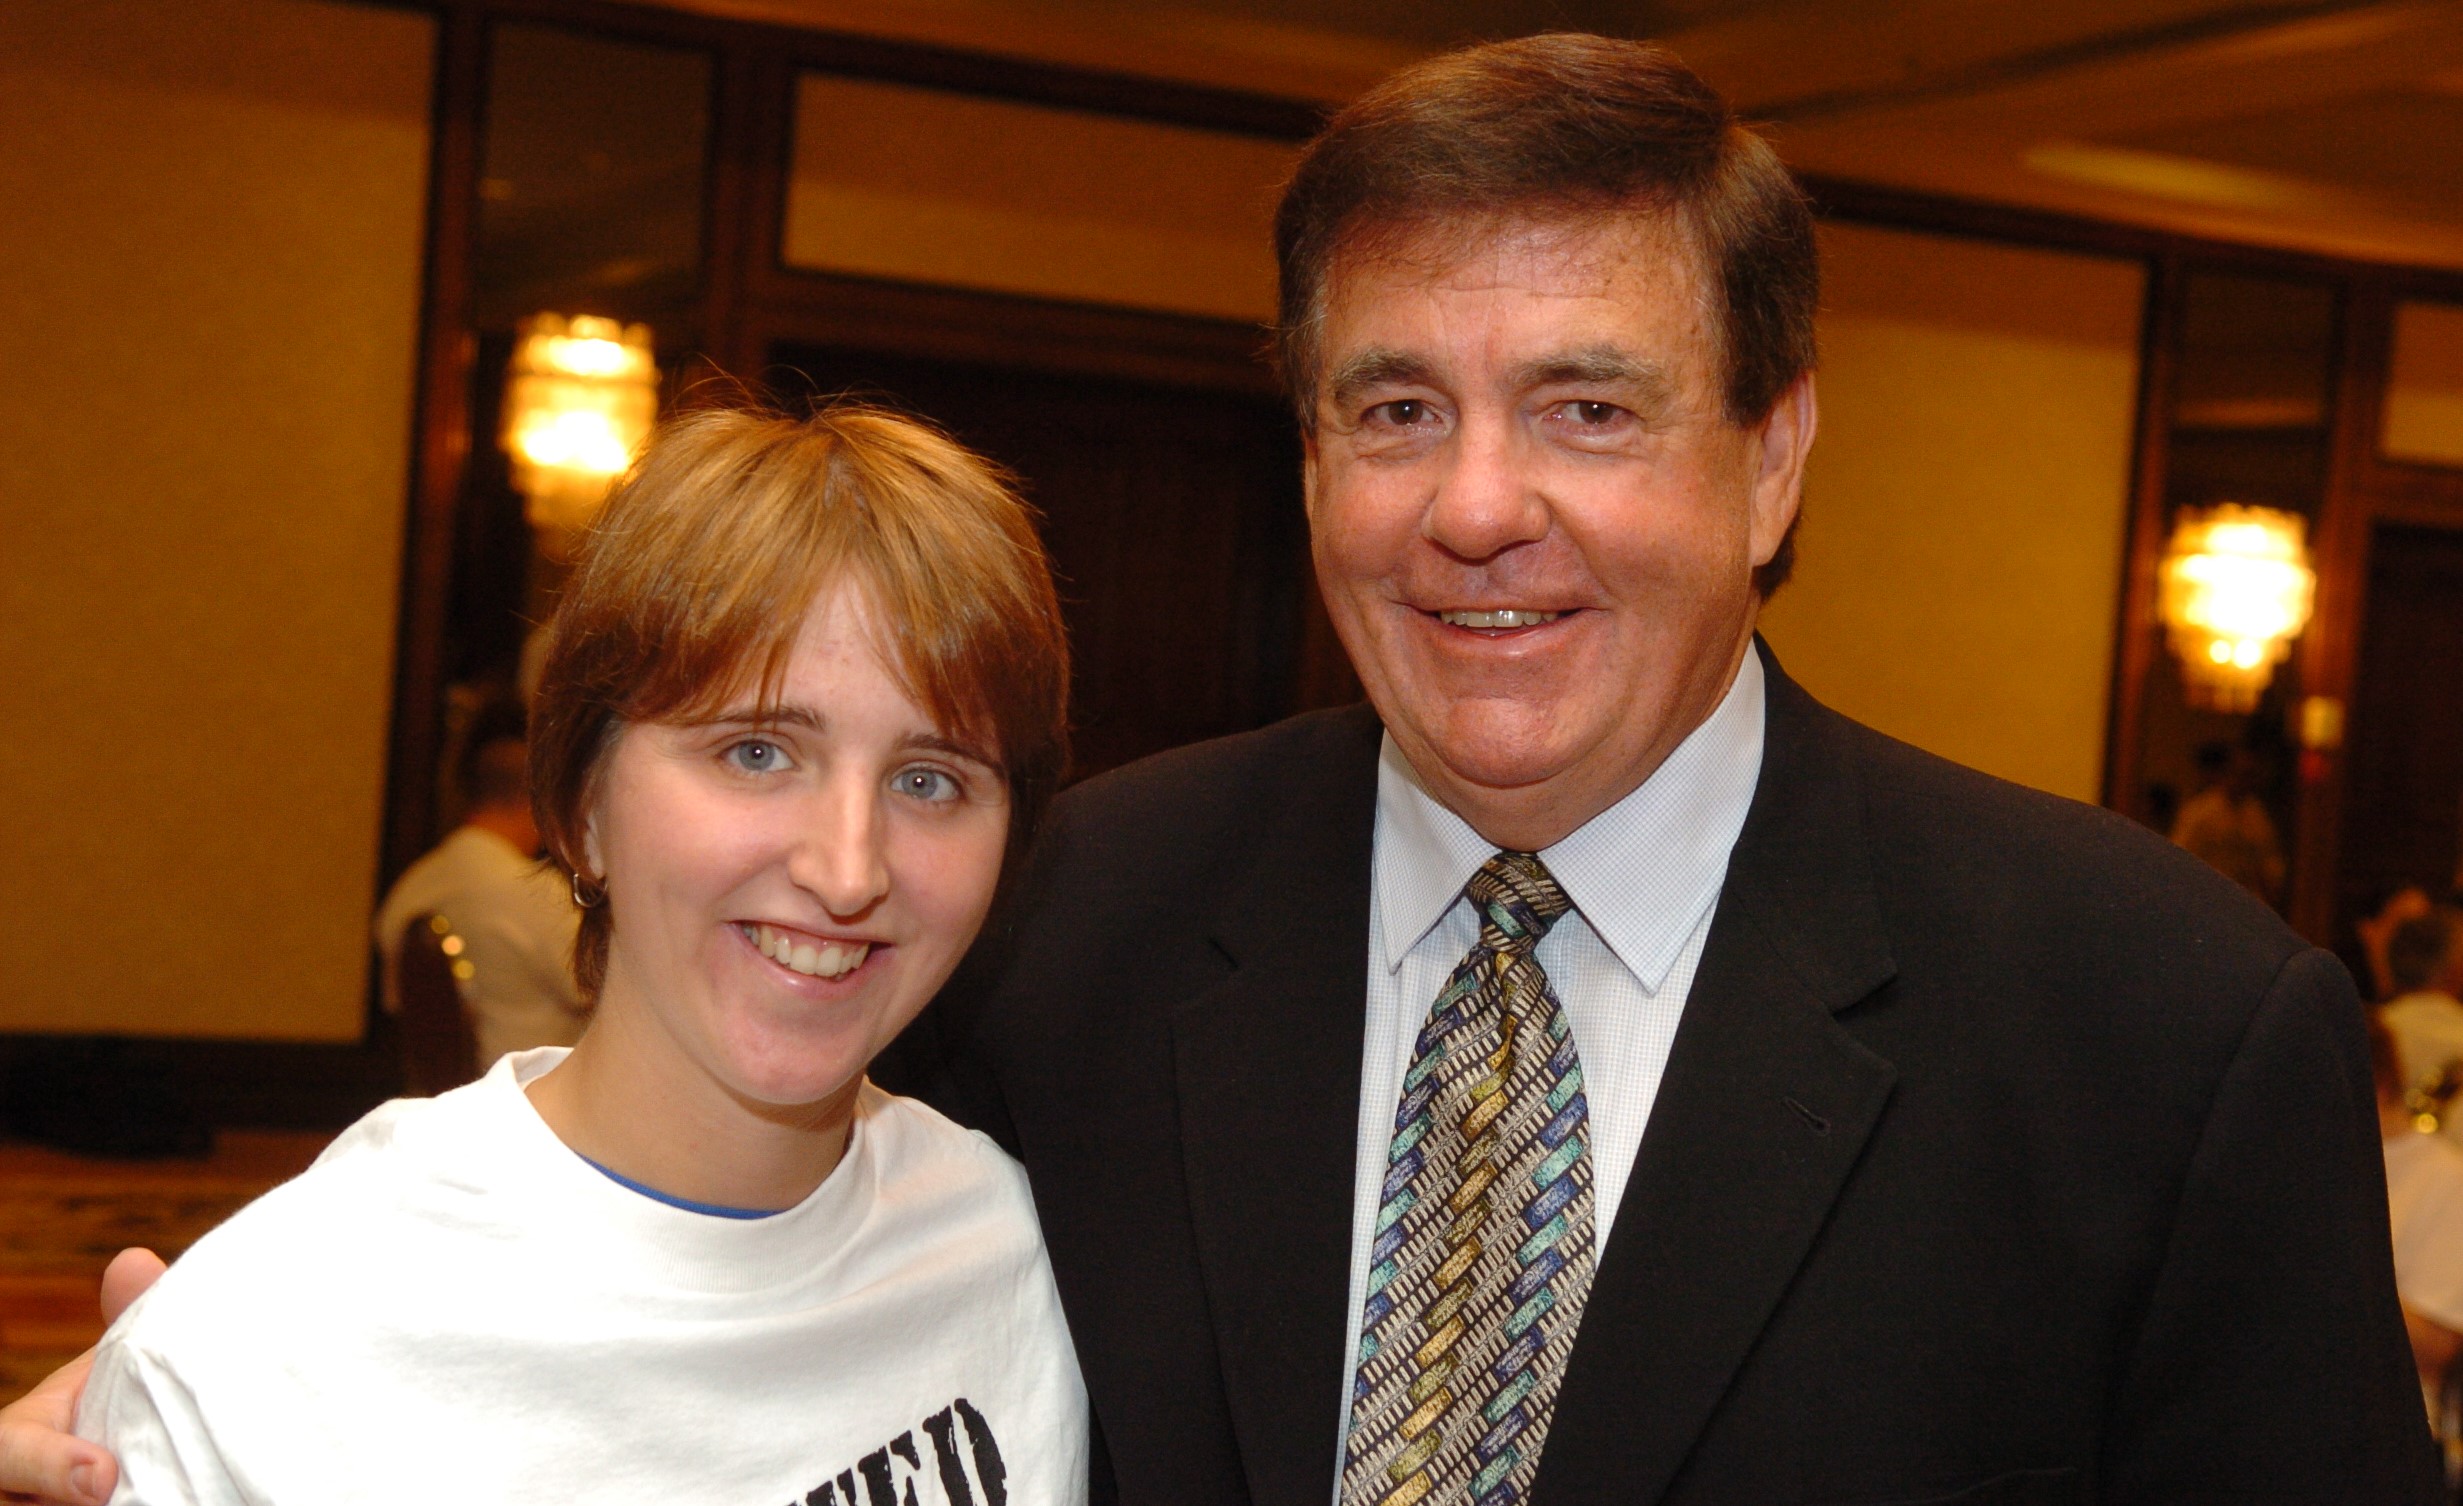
(966, 1463)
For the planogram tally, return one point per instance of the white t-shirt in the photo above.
(516, 920)
(453, 1306)
(2424, 1196)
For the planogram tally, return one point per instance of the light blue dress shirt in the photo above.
(1644, 878)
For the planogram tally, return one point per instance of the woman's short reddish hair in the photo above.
(692, 584)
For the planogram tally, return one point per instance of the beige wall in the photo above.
(2424, 391)
(208, 306)
(928, 186)
(1961, 549)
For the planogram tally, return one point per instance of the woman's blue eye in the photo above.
(755, 756)
(926, 784)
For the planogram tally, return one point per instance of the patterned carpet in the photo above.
(63, 1217)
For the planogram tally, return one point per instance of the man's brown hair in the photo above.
(1559, 126)
(691, 587)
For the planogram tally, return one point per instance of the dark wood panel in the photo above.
(1174, 519)
(2403, 802)
(2279, 468)
(806, 310)
(442, 426)
(2137, 637)
(1246, 112)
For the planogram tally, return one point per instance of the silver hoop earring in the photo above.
(581, 901)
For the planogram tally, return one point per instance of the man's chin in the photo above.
(1495, 755)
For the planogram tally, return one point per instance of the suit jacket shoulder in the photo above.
(1990, 1107)
(1201, 814)
(2009, 857)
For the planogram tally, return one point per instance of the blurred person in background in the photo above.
(2424, 963)
(515, 914)
(2225, 824)
(2424, 1196)
(2377, 931)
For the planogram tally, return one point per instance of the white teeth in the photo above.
(831, 959)
(1509, 618)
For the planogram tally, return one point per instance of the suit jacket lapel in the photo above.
(1765, 1105)
(1268, 1075)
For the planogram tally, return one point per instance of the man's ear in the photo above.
(1782, 441)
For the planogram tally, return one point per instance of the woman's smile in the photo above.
(804, 954)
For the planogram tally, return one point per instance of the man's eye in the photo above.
(926, 784)
(757, 755)
(1594, 414)
(1402, 413)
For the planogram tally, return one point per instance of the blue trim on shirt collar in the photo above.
(714, 1210)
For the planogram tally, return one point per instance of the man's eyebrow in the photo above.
(1599, 365)
(1375, 367)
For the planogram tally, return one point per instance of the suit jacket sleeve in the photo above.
(2265, 1367)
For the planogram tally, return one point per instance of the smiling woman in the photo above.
(806, 680)
(806, 688)
(694, 589)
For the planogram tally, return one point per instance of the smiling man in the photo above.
(1594, 1072)
(1535, 521)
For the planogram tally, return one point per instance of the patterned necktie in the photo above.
(1482, 1255)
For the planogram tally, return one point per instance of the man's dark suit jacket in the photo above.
(2004, 1155)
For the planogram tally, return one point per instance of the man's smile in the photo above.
(1500, 617)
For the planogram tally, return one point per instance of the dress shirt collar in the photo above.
(1642, 872)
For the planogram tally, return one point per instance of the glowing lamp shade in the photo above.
(580, 400)
(2236, 591)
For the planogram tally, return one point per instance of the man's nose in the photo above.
(1487, 500)
(841, 855)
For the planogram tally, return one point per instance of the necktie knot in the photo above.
(1518, 898)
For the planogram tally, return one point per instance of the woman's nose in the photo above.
(841, 857)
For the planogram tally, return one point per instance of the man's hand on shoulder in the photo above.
(40, 1459)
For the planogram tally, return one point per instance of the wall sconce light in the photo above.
(579, 402)
(2236, 590)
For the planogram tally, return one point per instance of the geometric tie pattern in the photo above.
(1483, 1247)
